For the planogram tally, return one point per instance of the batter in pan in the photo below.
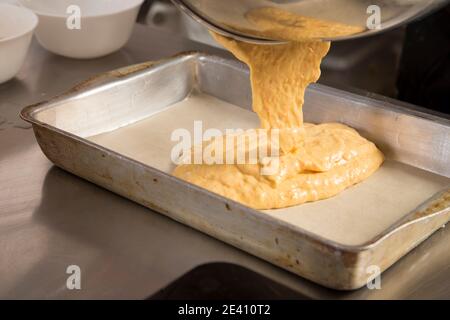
(316, 161)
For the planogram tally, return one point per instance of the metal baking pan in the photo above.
(334, 242)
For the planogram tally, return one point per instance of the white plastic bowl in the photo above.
(106, 26)
(16, 30)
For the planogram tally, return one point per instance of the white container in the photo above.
(16, 30)
(105, 26)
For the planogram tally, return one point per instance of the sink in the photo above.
(225, 281)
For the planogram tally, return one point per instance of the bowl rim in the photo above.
(35, 22)
(54, 15)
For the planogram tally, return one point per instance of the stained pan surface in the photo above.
(114, 130)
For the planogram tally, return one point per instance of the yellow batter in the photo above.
(316, 161)
(276, 23)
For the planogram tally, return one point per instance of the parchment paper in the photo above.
(353, 217)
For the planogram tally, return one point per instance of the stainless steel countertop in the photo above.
(50, 219)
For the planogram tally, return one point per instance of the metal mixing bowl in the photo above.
(229, 17)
